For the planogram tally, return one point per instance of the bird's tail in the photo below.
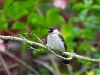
(65, 61)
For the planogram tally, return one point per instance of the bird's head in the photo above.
(53, 30)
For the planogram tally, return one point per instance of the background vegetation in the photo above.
(79, 23)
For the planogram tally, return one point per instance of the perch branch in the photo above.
(71, 54)
(22, 40)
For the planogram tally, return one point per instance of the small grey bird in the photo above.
(55, 42)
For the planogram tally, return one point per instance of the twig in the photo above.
(54, 65)
(46, 66)
(70, 69)
(38, 11)
(5, 65)
(10, 67)
(38, 38)
(22, 62)
(31, 43)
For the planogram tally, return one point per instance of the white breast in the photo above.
(54, 42)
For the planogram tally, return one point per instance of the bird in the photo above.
(55, 42)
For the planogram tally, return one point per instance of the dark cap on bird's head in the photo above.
(51, 29)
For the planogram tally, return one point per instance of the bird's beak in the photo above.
(49, 31)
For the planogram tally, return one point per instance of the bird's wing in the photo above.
(63, 41)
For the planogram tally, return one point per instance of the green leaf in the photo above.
(98, 1)
(92, 18)
(77, 73)
(18, 25)
(78, 5)
(96, 71)
(36, 19)
(97, 7)
(83, 73)
(18, 9)
(39, 32)
(74, 19)
(3, 26)
(88, 33)
(76, 31)
(86, 63)
(70, 33)
(11, 11)
(82, 18)
(97, 55)
(21, 13)
(24, 47)
(88, 2)
(84, 13)
(7, 3)
(53, 17)
(71, 46)
(21, 4)
(3, 22)
(33, 2)
(85, 46)
(66, 30)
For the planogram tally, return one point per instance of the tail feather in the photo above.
(65, 61)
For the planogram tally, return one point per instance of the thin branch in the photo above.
(74, 55)
(70, 69)
(22, 62)
(10, 66)
(38, 39)
(38, 11)
(5, 65)
(54, 65)
(22, 40)
(46, 66)
(71, 54)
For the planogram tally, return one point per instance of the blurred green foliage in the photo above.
(37, 22)
(53, 17)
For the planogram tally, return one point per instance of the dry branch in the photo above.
(31, 43)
